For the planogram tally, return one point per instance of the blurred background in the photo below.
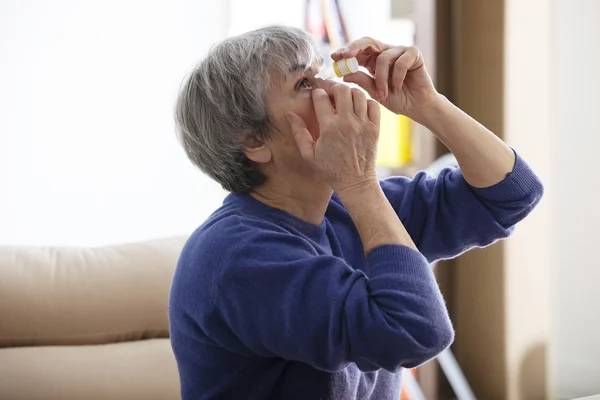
(89, 157)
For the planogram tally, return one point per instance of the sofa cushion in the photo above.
(73, 296)
(144, 369)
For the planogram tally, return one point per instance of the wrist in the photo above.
(375, 219)
(356, 183)
(432, 117)
(358, 189)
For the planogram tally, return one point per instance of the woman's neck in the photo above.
(307, 200)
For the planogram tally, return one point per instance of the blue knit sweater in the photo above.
(264, 305)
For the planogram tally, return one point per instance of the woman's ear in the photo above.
(256, 150)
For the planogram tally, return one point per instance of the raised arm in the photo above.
(494, 188)
(445, 216)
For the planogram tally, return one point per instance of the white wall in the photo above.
(576, 233)
(88, 153)
(552, 84)
(528, 127)
(248, 15)
(373, 20)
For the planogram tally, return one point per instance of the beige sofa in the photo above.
(87, 323)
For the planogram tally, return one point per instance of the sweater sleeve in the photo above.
(277, 298)
(445, 216)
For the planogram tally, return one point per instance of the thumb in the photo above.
(364, 81)
(303, 138)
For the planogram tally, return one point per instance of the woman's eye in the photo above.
(304, 84)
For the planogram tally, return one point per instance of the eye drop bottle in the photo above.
(343, 67)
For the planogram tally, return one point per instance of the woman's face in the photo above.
(293, 93)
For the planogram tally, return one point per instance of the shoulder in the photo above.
(238, 240)
(231, 244)
(231, 253)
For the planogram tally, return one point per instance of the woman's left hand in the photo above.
(399, 78)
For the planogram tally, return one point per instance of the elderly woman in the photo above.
(312, 281)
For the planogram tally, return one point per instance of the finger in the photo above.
(382, 69)
(322, 105)
(366, 58)
(398, 74)
(409, 60)
(360, 103)
(303, 138)
(345, 52)
(337, 55)
(364, 81)
(362, 49)
(360, 45)
(373, 111)
(343, 98)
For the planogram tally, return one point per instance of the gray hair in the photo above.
(223, 101)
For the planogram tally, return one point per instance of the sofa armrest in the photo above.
(59, 296)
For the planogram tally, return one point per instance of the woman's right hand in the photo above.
(344, 154)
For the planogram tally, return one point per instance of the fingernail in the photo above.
(381, 94)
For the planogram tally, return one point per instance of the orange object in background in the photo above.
(403, 393)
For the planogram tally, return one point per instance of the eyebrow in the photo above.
(294, 69)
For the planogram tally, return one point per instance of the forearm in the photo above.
(484, 159)
(375, 219)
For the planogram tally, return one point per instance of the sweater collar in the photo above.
(280, 217)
